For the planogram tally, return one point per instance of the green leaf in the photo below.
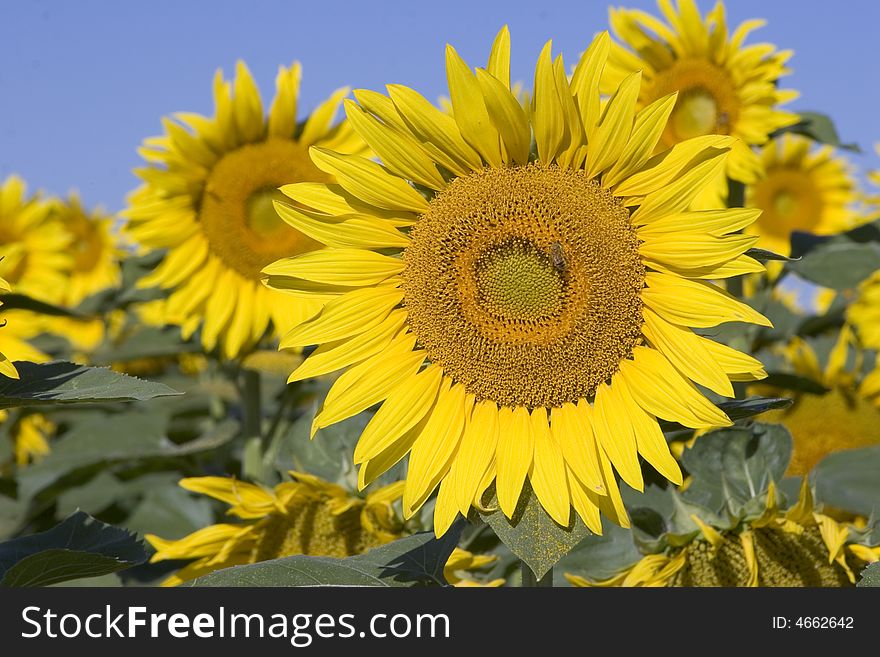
(601, 557)
(818, 127)
(137, 434)
(78, 547)
(67, 383)
(733, 466)
(794, 382)
(839, 265)
(22, 302)
(170, 512)
(412, 561)
(531, 534)
(870, 576)
(849, 480)
(764, 255)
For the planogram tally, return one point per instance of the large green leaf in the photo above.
(531, 534)
(600, 557)
(67, 383)
(733, 466)
(850, 480)
(871, 576)
(78, 547)
(412, 561)
(145, 342)
(137, 434)
(838, 265)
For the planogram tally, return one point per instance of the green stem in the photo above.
(252, 463)
(529, 579)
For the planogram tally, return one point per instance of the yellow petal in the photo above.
(615, 434)
(585, 82)
(508, 117)
(342, 231)
(369, 181)
(475, 454)
(572, 428)
(514, 456)
(499, 57)
(320, 121)
(614, 131)
(470, 110)
(402, 409)
(354, 267)
(548, 117)
(547, 474)
(282, 114)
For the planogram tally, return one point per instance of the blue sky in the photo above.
(82, 83)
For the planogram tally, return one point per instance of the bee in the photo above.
(557, 256)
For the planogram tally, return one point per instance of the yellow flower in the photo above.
(462, 563)
(6, 366)
(724, 87)
(843, 418)
(207, 199)
(803, 191)
(797, 547)
(519, 314)
(864, 312)
(31, 436)
(305, 516)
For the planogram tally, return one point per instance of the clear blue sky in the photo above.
(82, 83)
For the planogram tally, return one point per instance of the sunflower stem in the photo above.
(529, 579)
(252, 461)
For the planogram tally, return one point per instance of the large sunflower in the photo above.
(207, 199)
(520, 312)
(724, 87)
(813, 192)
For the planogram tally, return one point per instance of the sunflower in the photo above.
(864, 312)
(207, 199)
(812, 192)
(520, 312)
(798, 547)
(724, 87)
(34, 246)
(96, 254)
(6, 366)
(842, 418)
(31, 436)
(305, 516)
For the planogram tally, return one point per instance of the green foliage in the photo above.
(838, 264)
(850, 481)
(412, 561)
(78, 547)
(531, 534)
(870, 576)
(68, 383)
(819, 127)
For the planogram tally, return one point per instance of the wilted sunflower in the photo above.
(533, 316)
(207, 199)
(34, 253)
(864, 312)
(842, 418)
(797, 547)
(724, 87)
(305, 516)
(800, 190)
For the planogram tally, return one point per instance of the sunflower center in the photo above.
(790, 200)
(524, 284)
(236, 209)
(518, 281)
(707, 99)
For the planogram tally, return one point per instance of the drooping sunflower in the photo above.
(519, 312)
(842, 418)
(813, 192)
(724, 87)
(864, 312)
(798, 547)
(207, 199)
(34, 255)
(305, 516)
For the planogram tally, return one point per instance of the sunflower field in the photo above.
(614, 324)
